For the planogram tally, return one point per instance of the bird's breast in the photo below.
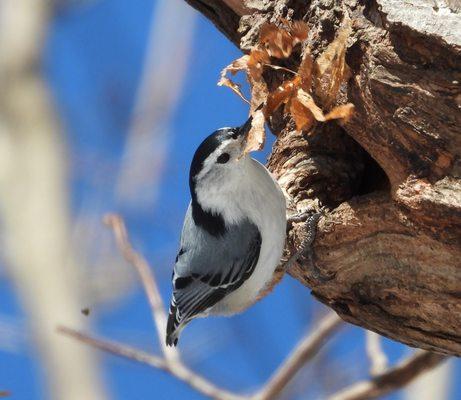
(262, 202)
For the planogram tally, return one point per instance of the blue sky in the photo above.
(93, 61)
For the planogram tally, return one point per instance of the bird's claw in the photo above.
(311, 219)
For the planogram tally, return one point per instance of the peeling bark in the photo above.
(388, 250)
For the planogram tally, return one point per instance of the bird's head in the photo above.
(219, 160)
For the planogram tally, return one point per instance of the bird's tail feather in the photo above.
(173, 327)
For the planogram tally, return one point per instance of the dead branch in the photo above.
(393, 379)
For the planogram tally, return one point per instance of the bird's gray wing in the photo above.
(208, 267)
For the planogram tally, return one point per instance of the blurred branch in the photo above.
(378, 360)
(147, 277)
(163, 76)
(34, 213)
(393, 379)
(303, 353)
(174, 367)
(434, 384)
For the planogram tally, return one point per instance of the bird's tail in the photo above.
(173, 326)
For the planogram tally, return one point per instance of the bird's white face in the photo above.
(222, 170)
(222, 163)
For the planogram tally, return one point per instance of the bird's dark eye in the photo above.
(223, 158)
(236, 134)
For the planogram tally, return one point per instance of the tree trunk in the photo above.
(387, 255)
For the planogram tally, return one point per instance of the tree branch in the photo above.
(393, 379)
(303, 353)
(221, 15)
(173, 367)
(146, 274)
(378, 360)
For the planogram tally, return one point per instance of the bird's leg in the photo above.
(311, 230)
(300, 217)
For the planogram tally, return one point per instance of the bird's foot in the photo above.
(311, 219)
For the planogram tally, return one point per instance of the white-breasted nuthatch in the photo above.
(233, 233)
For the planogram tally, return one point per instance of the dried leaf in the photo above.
(257, 135)
(299, 31)
(344, 111)
(301, 115)
(331, 69)
(281, 95)
(307, 101)
(235, 87)
(305, 70)
(240, 64)
(259, 93)
(257, 59)
(278, 42)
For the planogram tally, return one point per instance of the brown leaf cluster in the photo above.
(320, 78)
(279, 41)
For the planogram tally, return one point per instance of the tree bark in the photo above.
(387, 255)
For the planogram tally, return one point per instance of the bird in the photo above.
(233, 233)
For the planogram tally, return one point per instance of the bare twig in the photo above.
(393, 379)
(116, 348)
(304, 351)
(115, 222)
(378, 360)
(174, 367)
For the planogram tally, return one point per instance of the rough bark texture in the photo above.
(388, 252)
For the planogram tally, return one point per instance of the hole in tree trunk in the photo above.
(373, 177)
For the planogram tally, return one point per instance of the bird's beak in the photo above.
(243, 132)
(245, 128)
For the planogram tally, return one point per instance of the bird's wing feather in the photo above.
(207, 268)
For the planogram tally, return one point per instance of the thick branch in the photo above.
(225, 18)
